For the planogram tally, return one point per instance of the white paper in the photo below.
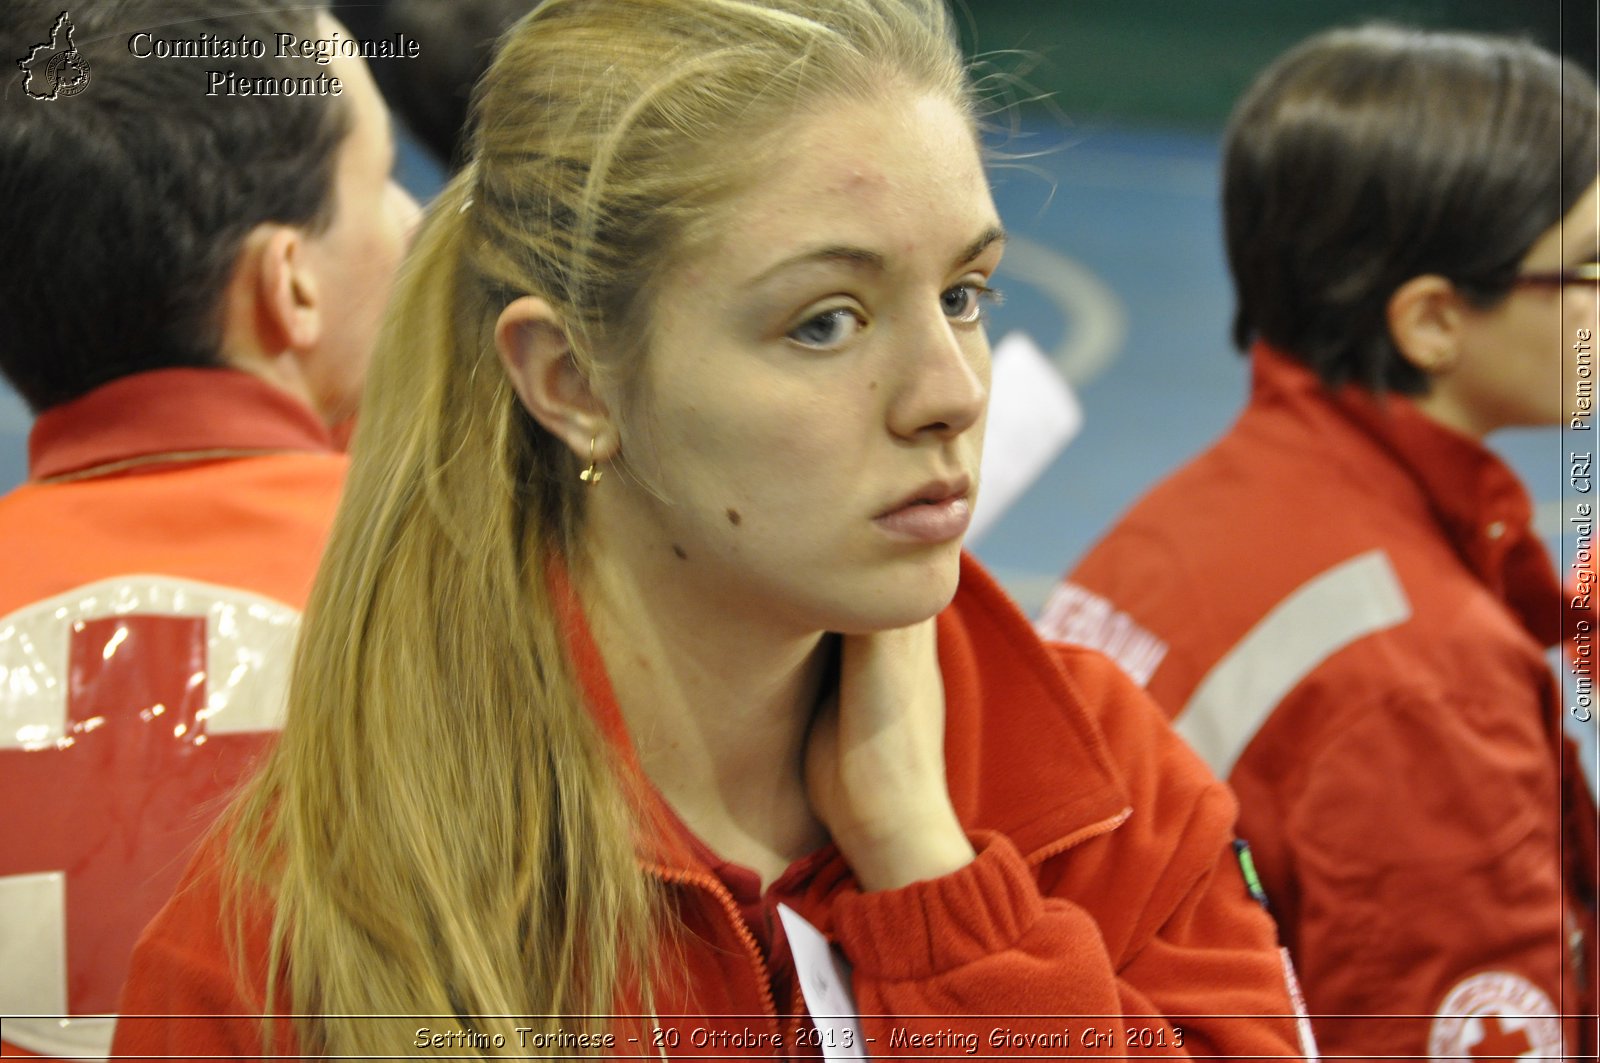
(825, 984)
(1033, 415)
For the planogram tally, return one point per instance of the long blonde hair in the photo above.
(441, 829)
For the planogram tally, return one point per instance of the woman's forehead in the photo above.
(858, 181)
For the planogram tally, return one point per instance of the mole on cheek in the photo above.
(682, 554)
(734, 518)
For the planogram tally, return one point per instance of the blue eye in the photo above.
(828, 329)
(964, 302)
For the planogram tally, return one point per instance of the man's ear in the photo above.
(1425, 316)
(537, 355)
(271, 315)
(282, 310)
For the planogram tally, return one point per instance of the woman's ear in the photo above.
(1425, 316)
(537, 355)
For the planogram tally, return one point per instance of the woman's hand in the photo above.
(875, 761)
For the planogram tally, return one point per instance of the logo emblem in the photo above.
(1496, 1015)
(55, 68)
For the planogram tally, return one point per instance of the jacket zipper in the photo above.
(731, 912)
(753, 951)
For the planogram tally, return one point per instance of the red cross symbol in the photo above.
(1499, 1045)
(117, 802)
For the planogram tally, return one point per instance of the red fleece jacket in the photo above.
(1105, 910)
(152, 570)
(1346, 609)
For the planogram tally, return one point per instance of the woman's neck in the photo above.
(719, 709)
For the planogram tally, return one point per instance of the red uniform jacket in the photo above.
(1344, 607)
(151, 576)
(1105, 897)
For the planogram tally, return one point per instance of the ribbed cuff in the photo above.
(934, 926)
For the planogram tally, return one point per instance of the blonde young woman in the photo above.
(638, 622)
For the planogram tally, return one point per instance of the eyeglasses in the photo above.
(1588, 273)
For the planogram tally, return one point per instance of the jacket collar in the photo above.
(1478, 503)
(1022, 755)
(170, 415)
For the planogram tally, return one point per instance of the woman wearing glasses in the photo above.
(1354, 604)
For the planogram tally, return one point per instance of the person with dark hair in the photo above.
(1342, 602)
(193, 279)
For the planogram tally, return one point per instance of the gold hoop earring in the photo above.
(592, 474)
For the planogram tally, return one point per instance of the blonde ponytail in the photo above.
(446, 830)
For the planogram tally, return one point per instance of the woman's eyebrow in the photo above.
(863, 258)
(859, 257)
(994, 234)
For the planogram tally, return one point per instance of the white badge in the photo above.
(825, 984)
(1302, 1020)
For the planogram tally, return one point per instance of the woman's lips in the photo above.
(928, 521)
